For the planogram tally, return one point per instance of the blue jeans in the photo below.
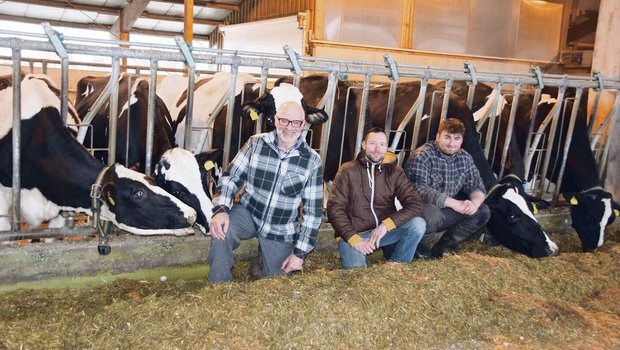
(405, 239)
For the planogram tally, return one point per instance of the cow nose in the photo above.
(191, 218)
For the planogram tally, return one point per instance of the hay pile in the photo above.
(482, 298)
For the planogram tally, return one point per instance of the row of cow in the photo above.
(184, 175)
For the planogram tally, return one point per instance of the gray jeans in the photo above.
(242, 227)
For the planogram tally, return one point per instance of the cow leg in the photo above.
(460, 232)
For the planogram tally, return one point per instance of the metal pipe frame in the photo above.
(17, 136)
(234, 69)
(362, 115)
(330, 95)
(288, 60)
(150, 119)
(529, 153)
(554, 125)
(492, 117)
(511, 123)
(113, 121)
(569, 138)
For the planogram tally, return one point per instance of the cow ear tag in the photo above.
(573, 201)
(111, 200)
(535, 208)
(617, 212)
(209, 165)
(253, 114)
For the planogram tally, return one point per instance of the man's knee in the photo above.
(483, 214)
(432, 217)
(416, 226)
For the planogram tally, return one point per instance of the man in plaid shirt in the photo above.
(448, 181)
(281, 179)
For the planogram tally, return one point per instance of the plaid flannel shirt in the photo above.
(276, 185)
(437, 176)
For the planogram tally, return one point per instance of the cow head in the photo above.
(267, 105)
(512, 221)
(134, 204)
(591, 211)
(186, 176)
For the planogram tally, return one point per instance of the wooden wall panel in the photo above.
(256, 10)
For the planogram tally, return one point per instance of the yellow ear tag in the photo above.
(617, 212)
(111, 200)
(253, 114)
(209, 165)
(535, 208)
(573, 201)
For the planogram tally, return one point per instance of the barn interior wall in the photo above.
(605, 60)
(506, 36)
(256, 10)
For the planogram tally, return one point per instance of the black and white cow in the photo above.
(133, 97)
(57, 173)
(503, 201)
(184, 175)
(208, 92)
(177, 171)
(534, 245)
(592, 208)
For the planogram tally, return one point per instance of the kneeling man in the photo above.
(448, 181)
(362, 210)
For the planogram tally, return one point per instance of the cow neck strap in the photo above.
(496, 186)
(95, 194)
(592, 189)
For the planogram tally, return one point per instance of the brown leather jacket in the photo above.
(349, 207)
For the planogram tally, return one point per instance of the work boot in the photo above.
(423, 251)
(256, 267)
(449, 241)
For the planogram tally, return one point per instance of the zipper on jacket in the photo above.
(371, 184)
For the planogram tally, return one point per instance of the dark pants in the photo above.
(458, 228)
(242, 227)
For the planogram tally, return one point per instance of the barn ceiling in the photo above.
(156, 17)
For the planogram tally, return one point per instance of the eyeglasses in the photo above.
(294, 123)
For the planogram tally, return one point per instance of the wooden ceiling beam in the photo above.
(69, 6)
(129, 15)
(204, 3)
(180, 19)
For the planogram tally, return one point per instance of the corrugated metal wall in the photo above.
(256, 10)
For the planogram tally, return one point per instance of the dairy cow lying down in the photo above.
(57, 173)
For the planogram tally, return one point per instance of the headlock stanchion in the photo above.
(102, 226)
(335, 69)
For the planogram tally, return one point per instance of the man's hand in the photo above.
(365, 246)
(376, 235)
(219, 225)
(469, 207)
(292, 263)
(456, 205)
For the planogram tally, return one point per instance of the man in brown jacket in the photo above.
(362, 210)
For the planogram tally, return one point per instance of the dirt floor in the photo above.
(480, 298)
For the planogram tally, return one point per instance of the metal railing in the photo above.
(298, 65)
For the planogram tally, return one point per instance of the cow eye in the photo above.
(139, 194)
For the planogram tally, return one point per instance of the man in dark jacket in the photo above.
(362, 210)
